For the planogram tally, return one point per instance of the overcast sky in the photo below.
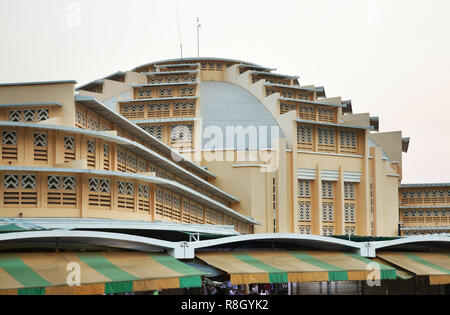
(392, 58)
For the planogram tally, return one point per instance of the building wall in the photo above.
(38, 93)
(424, 209)
(54, 167)
(271, 195)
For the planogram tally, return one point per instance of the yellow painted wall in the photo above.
(41, 93)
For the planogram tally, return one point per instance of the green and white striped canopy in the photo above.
(100, 273)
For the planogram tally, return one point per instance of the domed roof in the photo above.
(225, 107)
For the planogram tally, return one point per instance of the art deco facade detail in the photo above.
(136, 145)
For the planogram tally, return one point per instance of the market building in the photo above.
(424, 209)
(321, 169)
(170, 154)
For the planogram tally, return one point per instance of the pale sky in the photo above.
(390, 57)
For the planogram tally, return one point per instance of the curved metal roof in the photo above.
(195, 59)
(225, 106)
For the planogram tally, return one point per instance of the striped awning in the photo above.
(434, 265)
(295, 266)
(100, 273)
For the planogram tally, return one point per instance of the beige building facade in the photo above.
(200, 141)
(424, 209)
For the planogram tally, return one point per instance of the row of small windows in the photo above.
(328, 231)
(154, 130)
(172, 79)
(304, 189)
(158, 110)
(349, 213)
(304, 229)
(29, 115)
(328, 194)
(21, 189)
(180, 135)
(327, 212)
(211, 66)
(428, 213)
(426, 232)
(83, 115)
(304, 210)
(327, 190)
(10, 146)
(98, 155)
(256, 78)
(426, 193)
(85, 121)
(288, 93)
(165, 92)
(309, 112)
(326, 139)
(350, 230)
(349, 191)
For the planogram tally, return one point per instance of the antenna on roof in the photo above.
(198, 36)
(179, 35)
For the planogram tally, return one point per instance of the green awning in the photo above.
(8, 228)
(100, 273)
(294, 266)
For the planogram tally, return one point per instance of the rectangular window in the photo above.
(350, 208)
(349, 213)
(181, 136)
(133, 111)
(287, 107)
(80, 117)
(61, 191)
(106, 155)
(29, 115)
(69, 149)
(186, 212)
(305, 138)
(348, 142)
(40, 147)
(304, 206)
(158, 201)
(93, 124)
(327, 190)
(184, 109)
(20, 189)
(131, 165)
(125, 195)
(91, 150)
(99, 193)
(9, 145)
(326, 139)
(144, 198)
(326, 115)
(176, 208)
(158, 110)
(155, 130)
(307, 112)
(121, 161)
(141, 166)
(304, 210)
(167, 204)
(327, 212)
